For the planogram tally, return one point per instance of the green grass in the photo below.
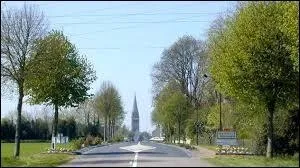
(210, 147)
(31, 155)
(253, 161)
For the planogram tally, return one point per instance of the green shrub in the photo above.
(89, 140)
(97, 141)
(117, 139)
(76, 143)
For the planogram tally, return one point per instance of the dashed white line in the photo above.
(134, 164)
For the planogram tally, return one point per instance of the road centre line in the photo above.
(134, 164)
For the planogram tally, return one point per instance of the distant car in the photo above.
(157, 139)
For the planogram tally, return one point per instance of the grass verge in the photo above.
(31, 155)
(253, 161)
(210, 147)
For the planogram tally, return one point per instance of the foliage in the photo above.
(97, 141)
(108, 104)
(19, 29)
(252, 58)
(171, 110)
(89, 140)
(144, 136)
(76, 143)
(184, 62)
(58, 75)
(117, 139)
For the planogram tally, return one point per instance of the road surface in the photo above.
(143, 154)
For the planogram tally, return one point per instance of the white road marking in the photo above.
(136, 149)
(134, 164)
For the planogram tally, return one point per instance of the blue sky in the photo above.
(123, 40)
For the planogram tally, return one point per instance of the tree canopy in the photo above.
(253, 56)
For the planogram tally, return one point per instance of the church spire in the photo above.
(135, 111)
(135, 116)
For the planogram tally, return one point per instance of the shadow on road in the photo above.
(120, 153)
(96, 162)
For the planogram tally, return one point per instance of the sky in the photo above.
(123, 40)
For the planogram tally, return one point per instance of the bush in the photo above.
(97, 141)
(89, 140)
(117, 139)
(76, 143)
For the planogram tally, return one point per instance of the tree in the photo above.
(185, 62)
(253, 58)
(171, 110)
(19, 29)
(109, 105)
(58, 75)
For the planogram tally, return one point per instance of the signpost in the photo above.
(226, 138)
(60, 139)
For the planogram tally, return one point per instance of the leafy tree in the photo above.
(253, 57)
(171, 110)
(109, 105)
(19, 29)
(58, 76)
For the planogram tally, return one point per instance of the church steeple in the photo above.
(135, 116)
(135, 111)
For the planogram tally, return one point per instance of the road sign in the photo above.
(226, 138)
(231, 142)
(226, 135)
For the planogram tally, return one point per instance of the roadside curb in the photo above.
(187, 151)
(85, 149)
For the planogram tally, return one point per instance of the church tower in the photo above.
(135, 120)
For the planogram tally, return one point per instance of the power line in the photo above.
(140, 14)
(135, 26)
(136, 22)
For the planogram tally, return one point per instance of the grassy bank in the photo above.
(253, 161)
(31, 155)
(210, 147)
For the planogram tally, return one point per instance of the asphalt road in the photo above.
(145, 154)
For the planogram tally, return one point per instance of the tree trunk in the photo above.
(113, 129)
(105, 123)
(108, 129)
(55, 121)
(271, 109)
(18, 123)
(178, 132)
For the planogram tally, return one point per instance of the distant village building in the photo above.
(135, 120)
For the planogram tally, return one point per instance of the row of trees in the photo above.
(43, 65)
(37, 128)
(248, 66)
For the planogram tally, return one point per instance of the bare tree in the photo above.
(20, 28)
(184, 62)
